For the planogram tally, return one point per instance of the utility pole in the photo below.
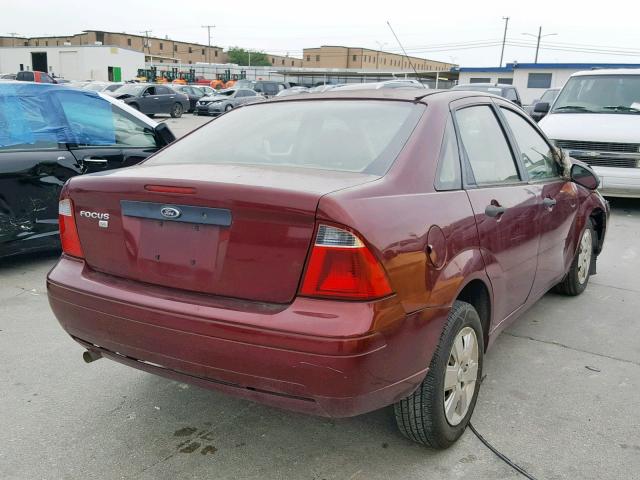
(146, 34)
(380, 45)
(209, 27)
(504, 38)
(249, 52)
(539, 38)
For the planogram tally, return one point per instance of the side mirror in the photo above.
(164, 134)
(542, 107)
(583, 175)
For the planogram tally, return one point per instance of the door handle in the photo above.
(493, 210)
(549, 202)
(95, 161)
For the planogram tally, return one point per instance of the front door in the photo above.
(504, 205)
(557, 199)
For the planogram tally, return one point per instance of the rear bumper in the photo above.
(619, 182)
(327, 358)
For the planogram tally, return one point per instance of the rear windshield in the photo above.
(345, 135)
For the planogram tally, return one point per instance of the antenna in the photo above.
(405, 54)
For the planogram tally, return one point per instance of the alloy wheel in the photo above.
(461, 376)
(584, 256)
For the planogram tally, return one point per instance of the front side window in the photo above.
(93, 121)
(536, 154)
(343, 135)
(486, 146)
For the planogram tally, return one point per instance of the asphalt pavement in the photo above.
(560, 398)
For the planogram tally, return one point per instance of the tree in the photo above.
(241, 57)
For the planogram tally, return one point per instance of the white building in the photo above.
(74, 62)
(532, 79)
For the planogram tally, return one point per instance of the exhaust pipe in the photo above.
(91, 356)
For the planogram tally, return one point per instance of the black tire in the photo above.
(571, 284)
(228, 107)
(421, 416)
(177, 110)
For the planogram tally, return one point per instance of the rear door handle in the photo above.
(96, 161)
(494, 210)
(549, 202)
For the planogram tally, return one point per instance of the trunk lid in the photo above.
(242, 231)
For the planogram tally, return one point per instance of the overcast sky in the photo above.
(443, 30)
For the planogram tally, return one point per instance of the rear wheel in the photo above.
(578, 276)
(176, 110)
(438, 412)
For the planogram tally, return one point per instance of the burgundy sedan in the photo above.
(331, 254)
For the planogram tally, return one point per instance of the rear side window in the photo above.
(352, 136)
(448, 175)
(485, 146)
(534, 151)
(25, 76)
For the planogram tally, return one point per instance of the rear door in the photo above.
(33, 168)
(105, 136)
(505, 206)
(557, 198)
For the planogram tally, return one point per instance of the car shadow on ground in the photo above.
(27, 260)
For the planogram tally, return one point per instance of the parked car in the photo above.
(35, 76)
(225, 100)
(50, 133)
(503, 90)
(7, 76)
(325, 87)
(268, 88)
(596, 119)
(103, 86)
(192, 92)
(153, 99)
(396, 83)
(206, 89)
(547, 97)
(327, 254)
(292, 91)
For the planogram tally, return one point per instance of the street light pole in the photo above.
(504, 38)
(539, 37)
(209, 27)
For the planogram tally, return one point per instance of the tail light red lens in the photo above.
(68, 231)
(341, 266)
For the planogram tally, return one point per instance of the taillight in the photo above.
(68, 231)
(341, 266)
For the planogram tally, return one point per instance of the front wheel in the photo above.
(578, 276)
(176, 110)
(228, 107)
(438, 412)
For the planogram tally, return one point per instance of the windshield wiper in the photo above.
(621, 108)
(573, 107)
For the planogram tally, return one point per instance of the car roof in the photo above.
(402, 94)
(497, 85)
(608, 71)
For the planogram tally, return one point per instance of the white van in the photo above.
(596, 119)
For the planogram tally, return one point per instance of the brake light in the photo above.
(341, 266)
(68, 231)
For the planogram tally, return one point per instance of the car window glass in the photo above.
(150, 91)
(448, 176)
(510, 94)
(352, 136)
(249, 93)
(163, 90)
(131, 131)
(89, 117)
(535, 153)
(25, 123)
(485, 146)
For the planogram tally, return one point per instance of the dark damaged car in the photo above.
(50, 133)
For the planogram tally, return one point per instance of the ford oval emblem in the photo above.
(170, 212)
